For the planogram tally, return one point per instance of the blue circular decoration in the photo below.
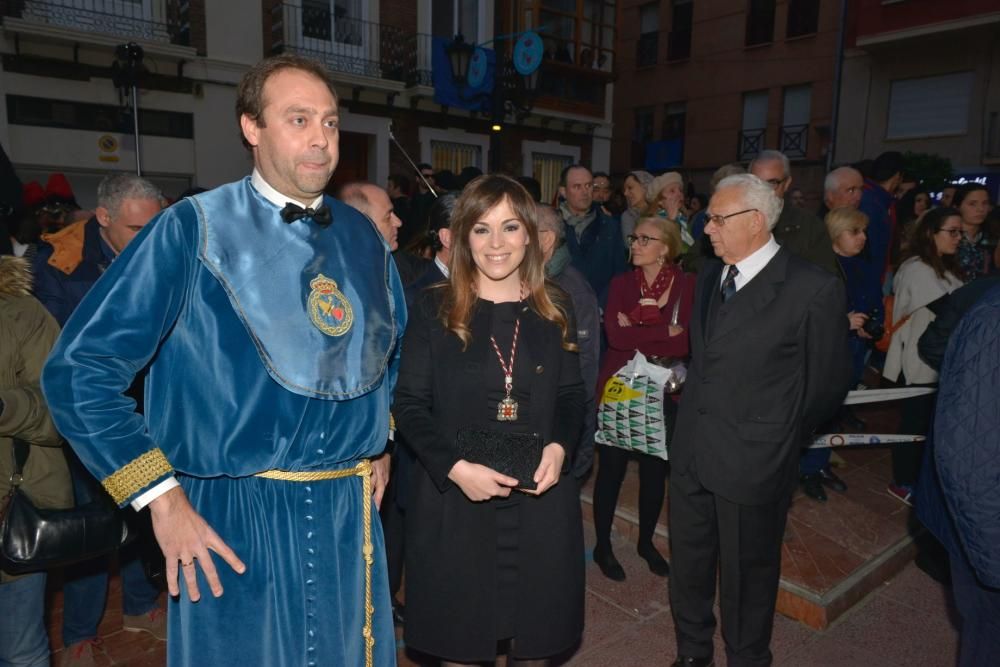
(528, 52)
(477, 68)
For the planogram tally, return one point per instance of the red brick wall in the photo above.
(873, 17)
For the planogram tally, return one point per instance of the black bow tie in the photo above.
(293, 212)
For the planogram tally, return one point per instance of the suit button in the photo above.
(539, 370)
(702, 411)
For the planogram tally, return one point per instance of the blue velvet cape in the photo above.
(216, 294)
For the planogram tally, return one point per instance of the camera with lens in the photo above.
(873, 326)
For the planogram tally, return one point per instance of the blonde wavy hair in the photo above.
(668, 231)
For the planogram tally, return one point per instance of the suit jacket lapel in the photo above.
(751, 299)
(709, 287)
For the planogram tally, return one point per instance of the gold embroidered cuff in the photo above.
(137, 475)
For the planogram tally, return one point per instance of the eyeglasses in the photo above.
(775, 182)
(426, 175)
(954, 232)
(642, 239)
(720, 220)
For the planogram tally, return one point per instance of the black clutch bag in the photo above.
(33, 539)
(514, 454)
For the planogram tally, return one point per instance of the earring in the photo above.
(660, 260)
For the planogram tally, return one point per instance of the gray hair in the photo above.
(114, 189)
(756, 194)
(549, 220)
(835, 177)
(773, 156)
(724, 171)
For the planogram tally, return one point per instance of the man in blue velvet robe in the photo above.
(269, 316)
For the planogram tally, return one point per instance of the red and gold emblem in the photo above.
(329, 309)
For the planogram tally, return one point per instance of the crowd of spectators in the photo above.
(625, 250)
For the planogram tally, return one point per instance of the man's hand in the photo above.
(479, 482)
(547, 474)
(185, 538)
(857, 320)
(380, 478)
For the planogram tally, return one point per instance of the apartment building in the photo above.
(64, 112)
(924, 76)
(705, 83)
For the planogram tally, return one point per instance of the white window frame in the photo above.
(529, 148)
(426, 135)
(931, 83)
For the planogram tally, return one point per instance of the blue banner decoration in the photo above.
(472, 98)
(662, 155)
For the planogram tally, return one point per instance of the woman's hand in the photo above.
(675, 330)
(674, 204)
(480, 483)
(857, 321)
(623, 320)
(547, 474)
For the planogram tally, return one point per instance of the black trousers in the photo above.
(612, 464)
(744, 542)
(979, 607)
(392, 526)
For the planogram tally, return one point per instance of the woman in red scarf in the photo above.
(648, 310)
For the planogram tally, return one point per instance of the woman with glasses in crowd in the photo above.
(648, 311)
(977, 250)
(930, 270)
(489, 567)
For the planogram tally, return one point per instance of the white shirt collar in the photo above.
(275, 197)
(19, 248)
(442, 267)
(754, 263)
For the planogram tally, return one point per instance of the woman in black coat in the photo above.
(485, 562)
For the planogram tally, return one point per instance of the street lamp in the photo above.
(459, 55)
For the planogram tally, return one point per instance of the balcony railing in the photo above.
(794, 140)
(751, 143)
(346, 45)
(164, 21)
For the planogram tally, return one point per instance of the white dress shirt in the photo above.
(752, 264)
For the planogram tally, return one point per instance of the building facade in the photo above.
(923, 76)
(64, 112)
(702, 84)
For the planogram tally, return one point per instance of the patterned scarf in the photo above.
(647, 312)
(578, 223)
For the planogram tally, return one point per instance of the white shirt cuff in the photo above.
(155, 492)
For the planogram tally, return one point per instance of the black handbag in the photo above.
(516, 455)
(33, 539)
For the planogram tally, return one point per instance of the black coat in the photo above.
(773, 366)
(451, 541)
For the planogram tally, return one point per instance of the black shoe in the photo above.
(831, 480)
(398, 612)
(685, 661)
(610, 567)
(812, 484)
(657, 563)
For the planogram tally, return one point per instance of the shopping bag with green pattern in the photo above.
(630, 415)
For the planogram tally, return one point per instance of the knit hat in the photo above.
(654, 189)
(58, 187)
(644, 177)
(32, 194)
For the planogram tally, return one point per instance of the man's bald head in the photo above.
(374, 202)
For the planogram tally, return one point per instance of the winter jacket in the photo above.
(966, 446)
(27, 333)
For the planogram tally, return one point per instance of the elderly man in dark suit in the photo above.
(769, 363)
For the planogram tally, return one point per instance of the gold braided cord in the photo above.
(136, 475)
(363, 470)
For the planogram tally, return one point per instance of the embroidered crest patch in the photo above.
(329, 309)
